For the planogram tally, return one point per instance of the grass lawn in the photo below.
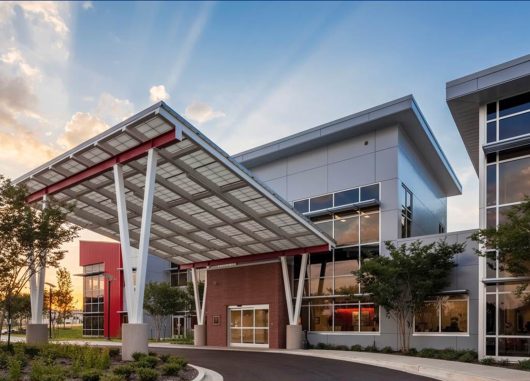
(68, 333)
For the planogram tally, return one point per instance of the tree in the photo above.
(190, 295)
(161, 300)
(64, 295)
(511, 240)
(21, 308)
(30, 238)
(404, 280)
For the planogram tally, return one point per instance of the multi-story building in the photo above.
(491, 109)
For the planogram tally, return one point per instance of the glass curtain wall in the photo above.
(93, 300)
(507, 183)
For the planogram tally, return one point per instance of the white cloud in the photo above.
(80, 128)
(158, 93)
(113, 110)
(44, 11)
(87, 5)
(14, 57)
(202, 113)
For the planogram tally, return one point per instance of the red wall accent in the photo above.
(109, 254)
(254, 284)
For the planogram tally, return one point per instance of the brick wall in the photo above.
(256, 284)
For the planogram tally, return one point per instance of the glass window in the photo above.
(346, 261)
(514, 126)
(321, 318)
(347, 197)
(369, 318)
(514, 315)
(325, 226)
(370, 192)
(347, 317)
(513, 180)
(369, 227)
(301, 206)
(321, 286)
(406, 212)
(321, 265)
(514, 104)
(512, 346)
(491, 131)
(446, 314)
(513, 153)
(369, 251)
(346, 228)
(491, 158)
(491, 178)
(491, 218)
(346, 285)
(491, 311)
(322, 202)
(179, 278)
(492, 110)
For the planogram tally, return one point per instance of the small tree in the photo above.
(161, 300)
(21, 308)
(30, 238)
(402, 281)
(190, 295)
(64, 295)
(512, 241)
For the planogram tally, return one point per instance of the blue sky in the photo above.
(244, 73)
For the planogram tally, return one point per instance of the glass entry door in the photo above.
(179, 326)
(249, 325)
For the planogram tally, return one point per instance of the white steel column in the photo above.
(203, 306)
(124, 239)
(299, 293)
(145, 233)
(287, 289)
(198, 307)
(36, 284)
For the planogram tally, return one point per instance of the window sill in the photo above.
(351, 333)
(448, 334)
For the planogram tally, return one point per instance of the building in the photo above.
(276, 231)
(491, 109)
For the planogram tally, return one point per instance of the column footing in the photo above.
(37, 334)
(134, 338)
(199, 335)
(293, 337)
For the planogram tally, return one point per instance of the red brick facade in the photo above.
(263, 284)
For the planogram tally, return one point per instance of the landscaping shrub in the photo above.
(171, 369)
(147, 374)
(427, 353)
(446, 354)
(342, 348)
(4, 360)
(467, 356)
(387, 350)
(371, 348)
(356, 348)
(164, 357)
(138, 355)
(114, 352)
(14, 370)
(42, 372)
(488, 361)
(124, 370)
(524, 364)
(91, 375)
(412, 352)
(111, 377)
(178, 360)
(147, 362)
(31, 351)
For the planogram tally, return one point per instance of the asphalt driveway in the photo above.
(264, 366)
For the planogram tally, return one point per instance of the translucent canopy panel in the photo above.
(206, 206)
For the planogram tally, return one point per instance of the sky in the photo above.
(244, 73)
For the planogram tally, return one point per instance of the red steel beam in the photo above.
(256, 257)
(95, 170)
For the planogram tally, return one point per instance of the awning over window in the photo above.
(206, 206)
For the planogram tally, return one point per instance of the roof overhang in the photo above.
(403, 111)
(206, 206)
(465, 95)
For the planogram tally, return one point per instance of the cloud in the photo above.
(44, 11)
(202, 113)
(87, 5)
(24, 148)
(81, 127)
(14, 57)
(158, 93)
(113, 110)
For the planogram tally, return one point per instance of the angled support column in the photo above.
(135, 333)
(199, 331)
(294, 329)
(37, 332)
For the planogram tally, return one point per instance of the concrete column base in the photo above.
(199, 335)
(134, 339)
(37, 334)
(293, 337)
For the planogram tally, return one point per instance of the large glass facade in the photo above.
(93, 304)
(446, 314)
(507, 183)
(333, 299)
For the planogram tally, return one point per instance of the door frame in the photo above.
(247, 307)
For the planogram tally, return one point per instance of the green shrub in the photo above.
(164, 357)
(14, 370)
(412, 352)
(356, 348)
(447, 354)
(178, 360)
(111, 377)
(524, 364)
(171, 369)
(31, 351)
(4, 360)
(91, 375)
(114, 352)
(321, 346)
(147, 362)
(138, 355)
(147, 374)
(124, 370)
(371, 348)
(488, 361)
(503, 362)
(467, 356)
(387, 350)
(42, 372)
(342, 348)
(427, 353)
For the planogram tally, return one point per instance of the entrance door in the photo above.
(179, 326)
(248, 326)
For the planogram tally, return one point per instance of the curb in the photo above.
(206, 374)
